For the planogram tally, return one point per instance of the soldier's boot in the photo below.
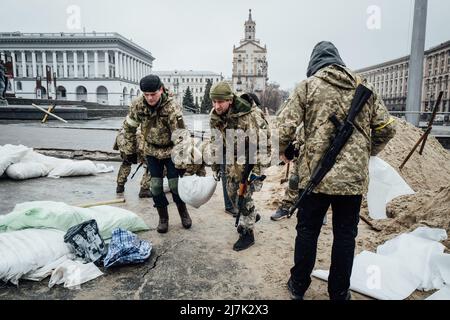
(184, 215)
(246, 239)
(120, 188)
(145, 193)
(163, 225)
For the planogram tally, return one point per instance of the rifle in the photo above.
(340, 139)
(137, 169)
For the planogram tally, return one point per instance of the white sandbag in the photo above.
(74, 273)
(408, 262)
(24, 251)
(380, 277)
(385, 184)
(416, 254)
(10, 154)
(74, 168)
(195, 190)
(26, 170)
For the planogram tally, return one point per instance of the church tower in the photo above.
(249, 61)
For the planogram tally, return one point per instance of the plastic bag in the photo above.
(86, 242)
(78, 168)
(126, 248)
(195, 190)
(385, 184)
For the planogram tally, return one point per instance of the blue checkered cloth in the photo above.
(126, 248)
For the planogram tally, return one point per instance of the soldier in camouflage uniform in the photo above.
(232, 112)
(125, 167)
(330, 89)
(291, 193)
(159, 116)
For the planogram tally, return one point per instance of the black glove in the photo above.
(290, 153)
(131, 158)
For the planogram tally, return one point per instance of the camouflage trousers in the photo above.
(124, 172)
(291, 192)
(248, 214)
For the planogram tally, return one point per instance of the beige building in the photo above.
(178, 81)
(249, 61)
(391, 79)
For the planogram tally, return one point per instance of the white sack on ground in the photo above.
(408, 262)
(195, 190)
(78, 168)
(10, 154)
(385, 184)
(379, 277)
(25, 251)
(417, 254)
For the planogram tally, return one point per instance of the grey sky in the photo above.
(200, 34)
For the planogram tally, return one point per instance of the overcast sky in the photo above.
(200, 34)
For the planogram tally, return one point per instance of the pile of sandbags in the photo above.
(32, 240)
(20, 163)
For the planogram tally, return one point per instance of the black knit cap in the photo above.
(150, 83)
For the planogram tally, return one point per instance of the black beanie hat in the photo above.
(150, 83)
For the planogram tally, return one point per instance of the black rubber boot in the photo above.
(145, 193)
(163, 225)
(184, 215)
(120, 189)
(246, 239)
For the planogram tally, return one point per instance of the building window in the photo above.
(19, 86)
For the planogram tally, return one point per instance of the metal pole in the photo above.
(415, 79)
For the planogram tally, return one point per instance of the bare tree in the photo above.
(272, 97)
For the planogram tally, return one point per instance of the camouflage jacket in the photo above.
(329, 91)
(245, 117)
(157, 125)
(123, 146)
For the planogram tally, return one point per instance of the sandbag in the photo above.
(24, 163)
(61, 216)
(77, 168)
(10, 154)
(195, 190)
(25, 251)
(385, 184)
(26, 170)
